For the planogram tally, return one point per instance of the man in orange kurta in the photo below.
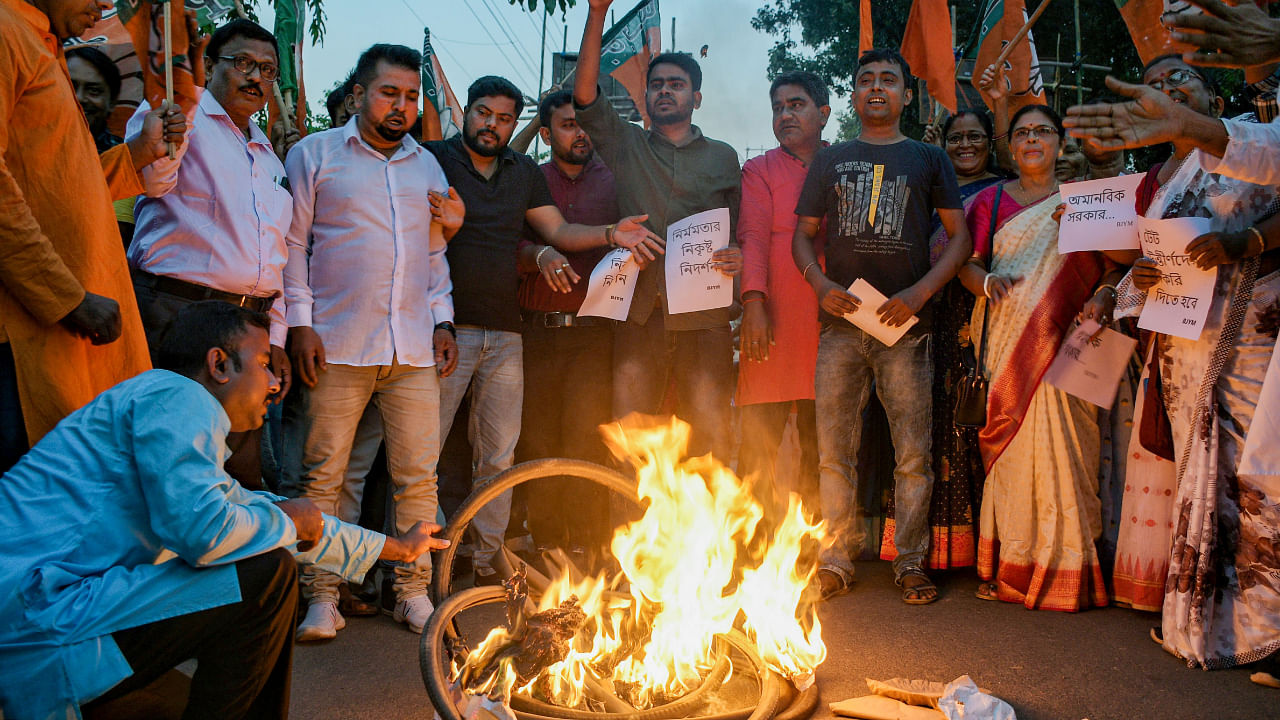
(67, 311)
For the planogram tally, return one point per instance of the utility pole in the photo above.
(673, 34)
(542, 73)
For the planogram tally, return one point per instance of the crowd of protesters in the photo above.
(334, 322)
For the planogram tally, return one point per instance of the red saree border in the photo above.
(1038, 587)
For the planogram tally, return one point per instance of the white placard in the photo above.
(611, 286)
(1179, 303)
(1090, 364)
(868, 321)
(693, 282)
(1100, 214)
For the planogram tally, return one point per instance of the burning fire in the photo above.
(700, 561)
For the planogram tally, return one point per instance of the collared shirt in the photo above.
(668, 183)
(217, 214)
(482, 254)
(363, 269)
(123, 516)
(590, 198)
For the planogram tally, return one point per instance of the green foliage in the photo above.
(549, 6)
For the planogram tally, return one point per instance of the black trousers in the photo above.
(13, 431)
(762, 428)
(244, 650)
(568, 380)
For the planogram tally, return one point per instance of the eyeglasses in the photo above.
(1177, 78)
(268, 71)
(1023, 134)
(973, 138)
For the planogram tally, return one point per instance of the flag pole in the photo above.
(168, 66)
(1022, 32)
(285, 110)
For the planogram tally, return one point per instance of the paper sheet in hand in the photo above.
(865, 316)
(1090, 367)
(1100, 214)
(611, 286)
(693, 282)
(1179, 303)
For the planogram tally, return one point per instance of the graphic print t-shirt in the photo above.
(878, 201)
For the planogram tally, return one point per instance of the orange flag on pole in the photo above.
(926, 46)
(144, 19)
(866, 33)
(1001, 21)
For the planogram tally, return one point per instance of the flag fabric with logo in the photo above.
(1150, 37)
(627, 48)
(926, 46)
(290, 31)
(436, 91)
(866, 31)
(1001, 20)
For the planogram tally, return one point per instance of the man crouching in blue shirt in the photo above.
(128, 550)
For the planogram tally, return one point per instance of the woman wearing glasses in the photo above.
(1040, 510)
(1209, 524)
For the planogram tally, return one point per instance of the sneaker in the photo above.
(323, 622)
(415, 612)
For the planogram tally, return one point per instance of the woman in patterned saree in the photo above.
(1222, 589)
(1040, 510)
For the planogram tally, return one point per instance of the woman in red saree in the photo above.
(1040, 510)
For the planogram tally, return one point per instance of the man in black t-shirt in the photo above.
(502, 190)
(877, 194)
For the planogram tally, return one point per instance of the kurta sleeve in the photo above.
(344, 549)
(179, 438)
(1253, 153)
(30, 269)
(123, 179)
(755, 221)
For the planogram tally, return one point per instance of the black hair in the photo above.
(813, 86)
(338, 95)
(885, 55)
(395, 55)
(1208, 75)
(551, 103)
(985, 121)
(494, 86)
(100, 62)
(239, 28)
(1047, 111)
(202, 326)
(682, 61)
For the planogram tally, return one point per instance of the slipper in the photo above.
(915, 595)
(987, 591)
(832, 584)
(1265, 679)
(1157, 636)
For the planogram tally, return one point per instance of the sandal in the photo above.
(832, 584)
(917, 594)
(987, 591)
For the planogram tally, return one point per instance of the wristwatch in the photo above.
(446, 325)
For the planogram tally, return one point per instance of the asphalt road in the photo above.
(1098, 665)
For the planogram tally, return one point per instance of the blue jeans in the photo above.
(849, 360)
(494, 361)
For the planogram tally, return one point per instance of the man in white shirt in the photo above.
(212, 223)
(369, 310)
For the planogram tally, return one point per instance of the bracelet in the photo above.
(1262, 243)
(1001, 136)
(537, 259)
(805, 272)
(753, 298)
(986, 291)
(608, 236)
(1106, 286)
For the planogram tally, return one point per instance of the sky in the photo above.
(735, 88)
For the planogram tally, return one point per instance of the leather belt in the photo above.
(561, 319)
(192, 291)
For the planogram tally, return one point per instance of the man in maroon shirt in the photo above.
(568, 360)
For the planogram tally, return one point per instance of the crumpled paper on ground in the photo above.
(960, 699)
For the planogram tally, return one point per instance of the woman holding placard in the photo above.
(1040, 510)
(1212, 517)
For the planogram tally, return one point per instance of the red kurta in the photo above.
(58, 233)
(770, 190)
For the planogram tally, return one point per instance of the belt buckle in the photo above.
(549, 320)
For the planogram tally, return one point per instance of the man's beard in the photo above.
(577, 157)
(472, 141)
(389, 134)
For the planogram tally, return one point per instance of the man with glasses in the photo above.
(213, 221)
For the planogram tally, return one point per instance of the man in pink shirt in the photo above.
(780, 312)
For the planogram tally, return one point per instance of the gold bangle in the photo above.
(608, 235)
(1106, 286)
(805, 272)
(1262, 242)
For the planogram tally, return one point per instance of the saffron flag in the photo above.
(113, 38)
(436, 90)
(926, 46)
(289, 31)
(627, 48)
(1150, 37)
(866, 31)
(1001, 20)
